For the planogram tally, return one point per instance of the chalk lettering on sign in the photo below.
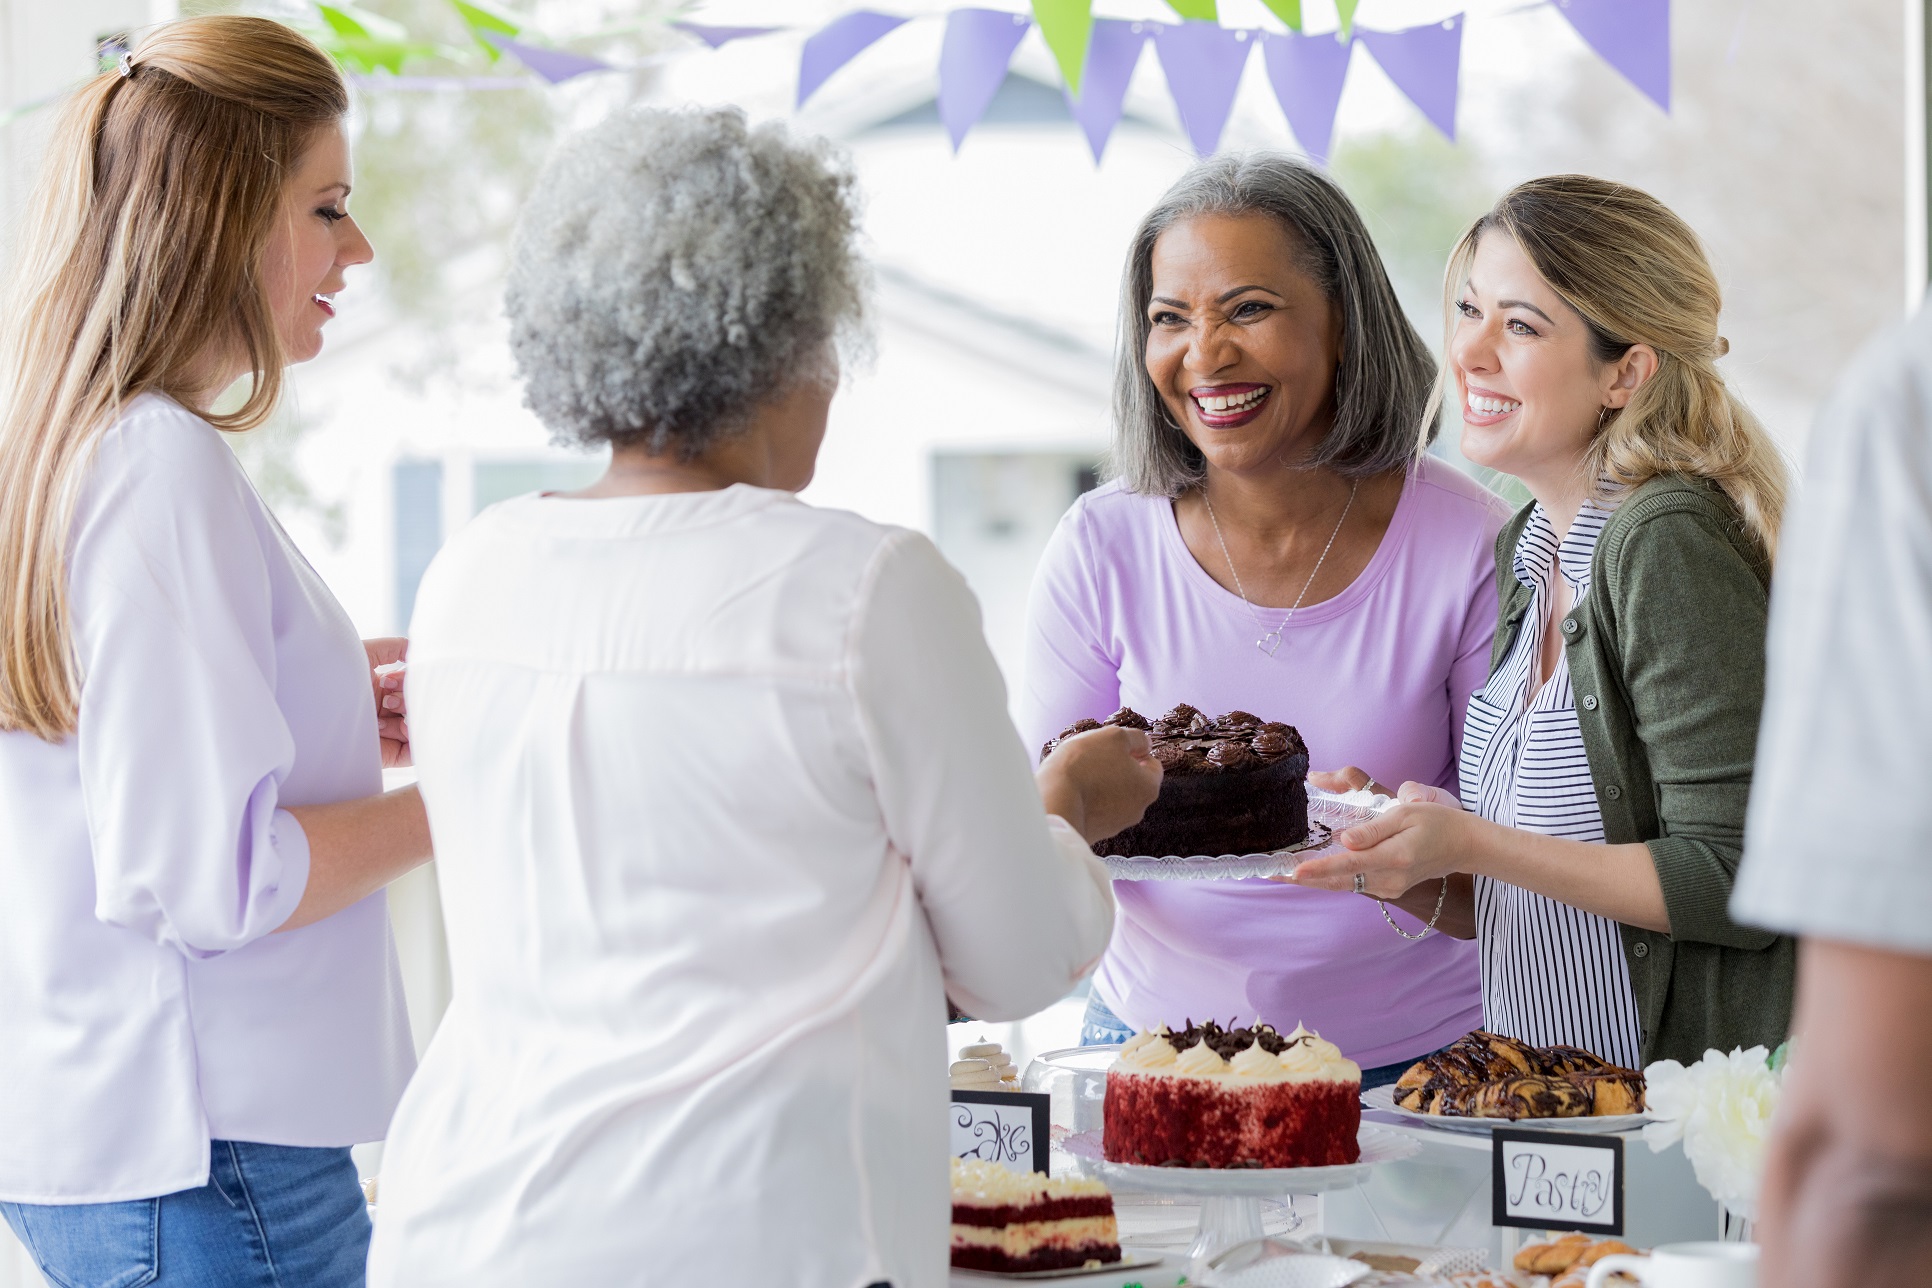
(1548, 1180)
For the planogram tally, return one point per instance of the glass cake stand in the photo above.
(1231, 1197)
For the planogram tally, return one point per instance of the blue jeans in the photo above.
(1101, 1027)
(270, 1216)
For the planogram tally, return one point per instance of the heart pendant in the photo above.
(1269, 643)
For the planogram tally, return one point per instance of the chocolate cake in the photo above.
(1235, 784)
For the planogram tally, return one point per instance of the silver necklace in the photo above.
(1271, 639)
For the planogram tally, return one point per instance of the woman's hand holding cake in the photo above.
(1100, 781)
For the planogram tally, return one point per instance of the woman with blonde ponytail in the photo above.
(191, 735)
(1606, 763)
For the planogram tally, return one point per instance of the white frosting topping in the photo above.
(1255, 1063)
(976, 1180)
(1307, 1058)
(1201, 1061)
(985, 1066)
(1149, 1052)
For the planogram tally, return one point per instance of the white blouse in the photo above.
(1551, 973)
(145, 1008)
(726, 803)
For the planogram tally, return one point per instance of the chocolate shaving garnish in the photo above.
(1237, 720)
(1127, 718)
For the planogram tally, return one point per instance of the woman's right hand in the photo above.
(1345, 780)
(1101, 781)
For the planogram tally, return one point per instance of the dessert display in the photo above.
(1020, 1221)
(1568, 1258)
(1244, 1097)
(1486, 1075)
(984, 1066)
(1235, 784)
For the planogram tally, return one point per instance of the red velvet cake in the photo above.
(1215, 1097)
(1017, 1221)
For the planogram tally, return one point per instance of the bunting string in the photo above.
(1201, 61)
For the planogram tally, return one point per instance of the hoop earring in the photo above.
(1602, 417)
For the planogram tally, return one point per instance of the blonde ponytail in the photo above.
(140, 267)
(1637, 274)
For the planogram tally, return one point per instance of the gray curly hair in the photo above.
(1382, 385)
(675, 270)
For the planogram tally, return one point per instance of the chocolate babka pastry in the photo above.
(1234, 784)
(1530, 1097)
(1464, 1080)
(1613, 1091)
(1566, 1060)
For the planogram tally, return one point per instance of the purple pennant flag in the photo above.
(972, 62)
(838, 43)
(1112, 52)
(1203, 62)
(1425, 63)
(1308, 73)
(1633, 36)
(554, 65)
(718, 37)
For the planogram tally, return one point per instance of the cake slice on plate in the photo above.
(1016, 1221)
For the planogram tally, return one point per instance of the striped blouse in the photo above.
(1551, 973)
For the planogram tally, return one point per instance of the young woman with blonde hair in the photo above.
(190, 745)
(1606, 762)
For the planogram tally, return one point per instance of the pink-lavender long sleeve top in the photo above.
(146, 1007)
(1379, 676)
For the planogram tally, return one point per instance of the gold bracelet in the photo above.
(1433, 917)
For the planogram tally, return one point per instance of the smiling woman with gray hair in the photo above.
(1277, 542)
(724, 792)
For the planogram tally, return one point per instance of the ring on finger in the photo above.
(1361, 882)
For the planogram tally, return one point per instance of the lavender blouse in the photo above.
(145, 1006)
(1378, 676)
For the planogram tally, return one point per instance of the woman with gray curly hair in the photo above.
(723, 788)
(1277, 542)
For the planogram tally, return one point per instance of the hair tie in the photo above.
(126, 65)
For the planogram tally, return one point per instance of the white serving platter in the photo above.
(1382, 1099)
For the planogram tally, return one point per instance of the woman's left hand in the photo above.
(392, 721)
(1425, 837)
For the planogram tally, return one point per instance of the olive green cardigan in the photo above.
(1666, 658)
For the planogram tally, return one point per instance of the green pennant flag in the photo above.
(366, 42)
(1289, 11)
(481, 16)
(1198, 10)
(1067, 25)
(1347, 10)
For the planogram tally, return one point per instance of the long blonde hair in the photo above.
(141, 262)
(1637, 274)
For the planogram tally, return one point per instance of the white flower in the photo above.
(1721, 1109)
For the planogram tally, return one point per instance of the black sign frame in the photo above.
(1040, 1105)
(1499, 1181)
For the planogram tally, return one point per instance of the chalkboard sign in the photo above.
(1005, 1127)
(1544, 1180)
